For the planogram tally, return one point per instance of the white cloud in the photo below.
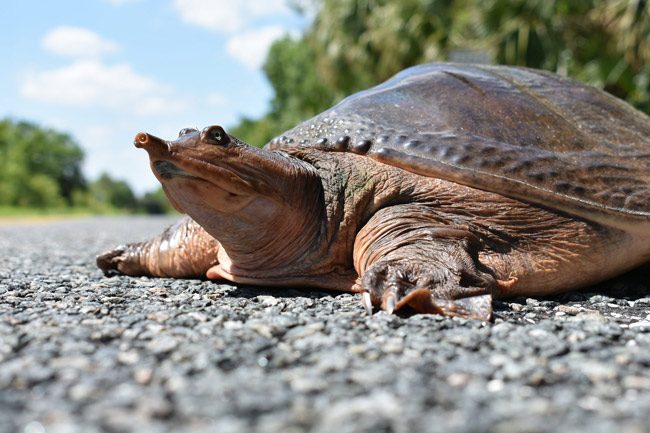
(92, 83)
(251, 47)
(228, 16)
(77, 42)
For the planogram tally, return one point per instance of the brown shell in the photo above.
(519, 132)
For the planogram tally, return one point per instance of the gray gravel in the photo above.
(80, 352)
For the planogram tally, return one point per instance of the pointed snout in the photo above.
(153, 145)
(141, 139)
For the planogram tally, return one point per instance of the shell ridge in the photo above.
(394, 157)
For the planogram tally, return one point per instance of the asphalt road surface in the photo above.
(80, 352)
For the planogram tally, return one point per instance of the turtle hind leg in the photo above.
(408, 262)
(434, 277)
(182, 250)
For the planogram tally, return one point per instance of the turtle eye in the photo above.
(186, 131)
(215, 135)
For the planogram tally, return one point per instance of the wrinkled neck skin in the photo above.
(352, 190)
(265, 232)
(273, 233)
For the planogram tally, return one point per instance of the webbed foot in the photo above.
(463, 292)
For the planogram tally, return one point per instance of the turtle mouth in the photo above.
(168, 170)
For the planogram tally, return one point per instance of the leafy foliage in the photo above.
(155, 203)
(106, 191)
(359, 43)
(605, 43)
(38, 167)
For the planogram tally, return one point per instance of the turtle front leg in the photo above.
(184, 249)
(408, 258)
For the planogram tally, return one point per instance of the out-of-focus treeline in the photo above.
(41, 169)
(354, 44)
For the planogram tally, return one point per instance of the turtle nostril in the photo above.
(141, 138)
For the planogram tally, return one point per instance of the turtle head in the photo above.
(242, 195)
(203, 170)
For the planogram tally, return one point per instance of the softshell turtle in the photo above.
(435, 191)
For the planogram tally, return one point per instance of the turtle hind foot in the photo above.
(401, 287)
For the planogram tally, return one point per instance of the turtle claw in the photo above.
(367, 302)
(122, 260)
(390, 301)
(109, 260)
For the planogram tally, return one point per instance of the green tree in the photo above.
(36, 163)
(605, 43)
(108, 192)
(34, 191)
(359, 43)
(155, 202)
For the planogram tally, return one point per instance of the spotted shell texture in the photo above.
(523, 133)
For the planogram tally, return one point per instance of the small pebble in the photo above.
(143, 375)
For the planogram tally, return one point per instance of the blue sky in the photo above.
(102, 70)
